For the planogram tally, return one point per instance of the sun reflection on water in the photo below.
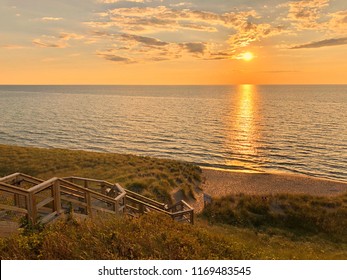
(242, 125)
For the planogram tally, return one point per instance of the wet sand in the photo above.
(217, 183)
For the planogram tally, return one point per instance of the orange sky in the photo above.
(173, 42)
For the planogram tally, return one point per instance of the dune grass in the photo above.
(154, 178)
(233, 227)
(155, 236)
(295, 215)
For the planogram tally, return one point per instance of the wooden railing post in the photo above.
(88, 199)
(116, 206)
(56, 196)
(31, 208)
(16, 199)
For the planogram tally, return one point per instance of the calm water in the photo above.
(300, 129)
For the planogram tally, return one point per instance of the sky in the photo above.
(173, 42)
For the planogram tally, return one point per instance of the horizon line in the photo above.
(292, 84)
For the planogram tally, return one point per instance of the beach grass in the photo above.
(295, 215)
(155, 236)
(152, 177)
(232, 227)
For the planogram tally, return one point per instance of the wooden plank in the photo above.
(13, 208)
(131, 199)
(174, 205)
(57, 197)
(186, 204)
(83, 190)
(9, 177)
(132, 208)
(49, 217)
(88, 179)
(7, 228)
(44, 202)
(145, 199)
(79, 203)
(43, 185)
(68, 191)
(12, 189)
(180, 213)
(30, 179)
(89, 203)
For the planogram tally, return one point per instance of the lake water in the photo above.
(301, 129)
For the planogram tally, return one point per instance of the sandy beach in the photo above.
(217, 183)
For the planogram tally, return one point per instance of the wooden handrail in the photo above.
(89, 180)
(148, 205)
(13, 189)
(82, 189)
(141, 197)
(30, 179)
(43, 185)
(83, 196)
(10, 177)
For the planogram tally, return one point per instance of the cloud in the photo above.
(51, 19)
(338, 22)
(305, 14)
(194, 47)
(47, 44)
(109, 55)
(161, 18)
(144, 40)
(323, 43)
(59, 41)
(134, 32)
(68, 36)
(12, 47)
(143, 49)
(250, 32)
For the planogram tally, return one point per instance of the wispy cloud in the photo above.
(133, 23)
(60, 41)
(68, 36)
(12, 47)
(323, 43)
(51, 19)
(305, 14)
(154, 19)
(338, 22)
(109, 55)
(194, 47)
(49, 44)
(144, 40)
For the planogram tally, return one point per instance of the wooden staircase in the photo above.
(42, 201)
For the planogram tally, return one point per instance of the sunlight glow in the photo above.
(247, 56)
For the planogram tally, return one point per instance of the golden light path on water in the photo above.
(242, 123)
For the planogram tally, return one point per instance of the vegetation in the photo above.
(233, 227)
(155, 236)
(154, 178)
(297, 215)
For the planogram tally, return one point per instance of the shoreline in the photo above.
(218, 183)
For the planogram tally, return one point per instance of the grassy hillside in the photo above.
(154, 236)
(293, 215)
(154, 178)
(234, 227)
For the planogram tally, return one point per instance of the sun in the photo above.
(247, 56)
